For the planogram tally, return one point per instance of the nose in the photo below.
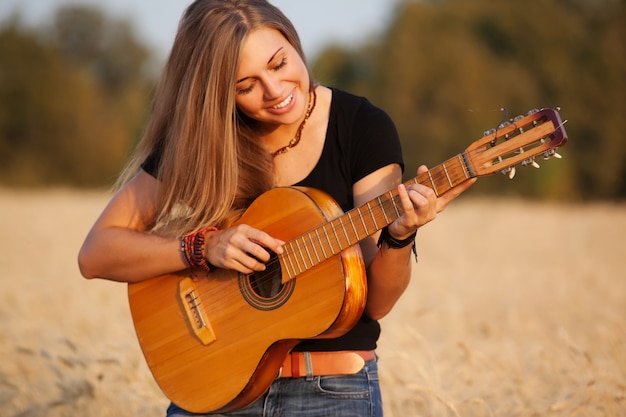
(272, 89)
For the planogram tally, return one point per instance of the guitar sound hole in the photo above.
(267, 284)
(264, 290)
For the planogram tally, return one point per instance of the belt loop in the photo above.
(295, 365)
(308, 364)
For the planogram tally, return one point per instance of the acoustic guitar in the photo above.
(215, 342)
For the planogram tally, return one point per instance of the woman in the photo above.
(236, 113)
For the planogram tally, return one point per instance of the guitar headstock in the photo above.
(517, 141)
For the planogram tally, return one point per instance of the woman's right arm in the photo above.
(118, 247)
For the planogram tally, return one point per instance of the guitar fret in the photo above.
(356, 234)
(463, 167)
(395, 206)
(445, 170)
(345, 232)
(334, 230)
(293, 269)
(319, 239)
(362, 221)
(369, 208)
(380, 204)
(306, 248)
(317, 255)
(332, 250)
(430, 177)
(300, 257)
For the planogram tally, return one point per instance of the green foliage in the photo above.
(73, 94)
(72, 99)
(444, 70)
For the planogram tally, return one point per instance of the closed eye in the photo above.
(246, 90)
(281, 64)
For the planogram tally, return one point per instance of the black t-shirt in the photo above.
(360, 139)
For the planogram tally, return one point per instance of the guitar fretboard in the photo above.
(325, 241)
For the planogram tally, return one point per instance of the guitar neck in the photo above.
(329, 239)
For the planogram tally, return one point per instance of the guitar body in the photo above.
(215, 342)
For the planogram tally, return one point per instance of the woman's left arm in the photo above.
(389, 269)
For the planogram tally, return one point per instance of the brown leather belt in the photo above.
(345, 362)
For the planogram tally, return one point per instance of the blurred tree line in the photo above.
(74, 94)
(73, 98)
(443, 69)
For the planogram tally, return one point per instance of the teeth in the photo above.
(284, 103)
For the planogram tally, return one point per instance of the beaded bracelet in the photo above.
(193, 248)
(394, 243)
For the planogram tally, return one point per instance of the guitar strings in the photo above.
(388, 205)
(291, 252)
(273, 269)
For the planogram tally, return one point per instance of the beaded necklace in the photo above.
(296, 139)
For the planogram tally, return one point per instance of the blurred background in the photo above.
(518, 306)
(76, 80)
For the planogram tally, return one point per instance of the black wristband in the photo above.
(393, 242)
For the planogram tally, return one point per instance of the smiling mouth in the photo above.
(284, 103)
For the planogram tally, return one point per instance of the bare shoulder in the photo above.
(377, 183)
(134, 205)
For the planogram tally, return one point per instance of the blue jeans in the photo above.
(355, 395)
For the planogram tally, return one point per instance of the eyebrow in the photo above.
(268, 62)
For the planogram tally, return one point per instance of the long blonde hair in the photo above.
(211, 165)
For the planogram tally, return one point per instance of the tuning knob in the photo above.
(510, 172)
(531, 162)
(516, 119)
(551, 153)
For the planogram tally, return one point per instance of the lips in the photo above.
(284, 103)
(286, 106)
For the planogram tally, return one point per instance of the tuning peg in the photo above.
(510, 172)
(530, 113)
(551, 153)
(531, 162)
(491, 132)
(516, 119)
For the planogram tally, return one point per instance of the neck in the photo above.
(273, 136)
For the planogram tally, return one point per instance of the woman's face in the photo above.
(272, 80)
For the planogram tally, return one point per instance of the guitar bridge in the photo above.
(194, 311)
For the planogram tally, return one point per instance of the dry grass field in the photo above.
(515, 309)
